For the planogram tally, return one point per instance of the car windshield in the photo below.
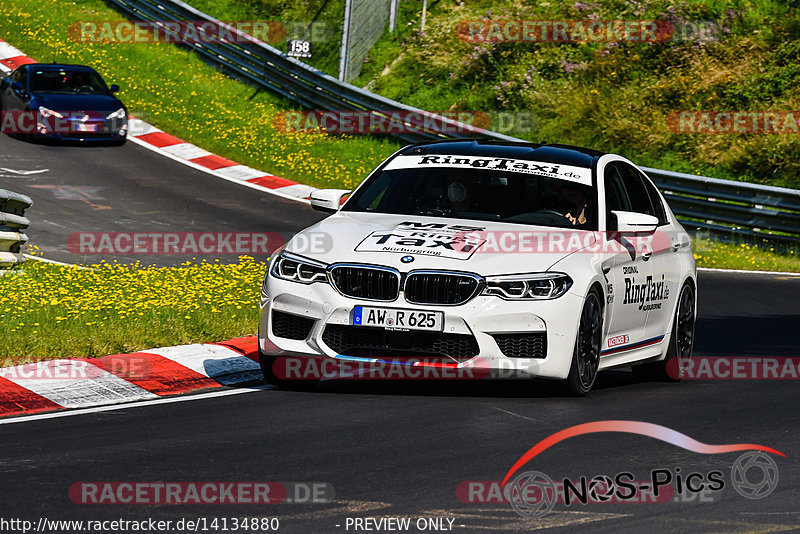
(479, 194)
(67, 82)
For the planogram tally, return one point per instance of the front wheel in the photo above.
(586, 356)
(268, 368)
(676, 362)
(267, 363)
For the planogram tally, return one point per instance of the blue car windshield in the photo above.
(67, 82)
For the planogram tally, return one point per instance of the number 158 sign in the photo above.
(298, 48)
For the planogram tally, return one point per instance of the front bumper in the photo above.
(97, 130)
(475, 334)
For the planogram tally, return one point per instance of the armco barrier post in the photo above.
(12, 224)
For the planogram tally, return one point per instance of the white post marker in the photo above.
(348, 9)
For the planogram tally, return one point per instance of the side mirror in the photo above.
(17, 86)
(631, 222)
(328, 200)
(114, 88)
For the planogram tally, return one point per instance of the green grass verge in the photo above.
(50, 311)
(719, 255)
(170, 87)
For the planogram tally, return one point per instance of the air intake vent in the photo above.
(379, 343)
(449, 289)
(371, 283)
(290, 326)
(529, 345)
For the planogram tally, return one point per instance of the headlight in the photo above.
(119, 114)
(298, 269)
(44, 112)
(536, 286)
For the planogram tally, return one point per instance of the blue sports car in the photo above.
(62, 102)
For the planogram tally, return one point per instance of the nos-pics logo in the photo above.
(533, 494)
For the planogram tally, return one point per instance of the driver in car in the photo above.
(79, 82)
(449, 195)
(579, 218)
(459, 194)
(563, 200)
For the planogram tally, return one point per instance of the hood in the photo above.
(410, 242)
(86, 103)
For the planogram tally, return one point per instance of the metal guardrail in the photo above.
(12, 223)
(731, 209)
(269, 68)
(720, 207)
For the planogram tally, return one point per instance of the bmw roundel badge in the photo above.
(407, 259)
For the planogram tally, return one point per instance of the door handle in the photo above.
(676, 246)
(646, 255)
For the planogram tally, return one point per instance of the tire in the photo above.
(681, 341)
(586, 355)
(267, 362)
(30, 137)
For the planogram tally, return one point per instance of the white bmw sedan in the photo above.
(525, 260)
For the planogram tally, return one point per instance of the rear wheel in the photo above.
(586, 356)
(674, 365)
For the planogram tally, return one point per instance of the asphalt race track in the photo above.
(391, 449)
(132, 189)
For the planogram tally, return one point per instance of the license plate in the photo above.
(398, 319)
(86, 127)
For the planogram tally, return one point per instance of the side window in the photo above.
(20, 75)
(371, 198)
(655, 199)
(616, 197)
(637, 193)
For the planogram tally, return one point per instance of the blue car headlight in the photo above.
(44, 112)
(119, 114)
